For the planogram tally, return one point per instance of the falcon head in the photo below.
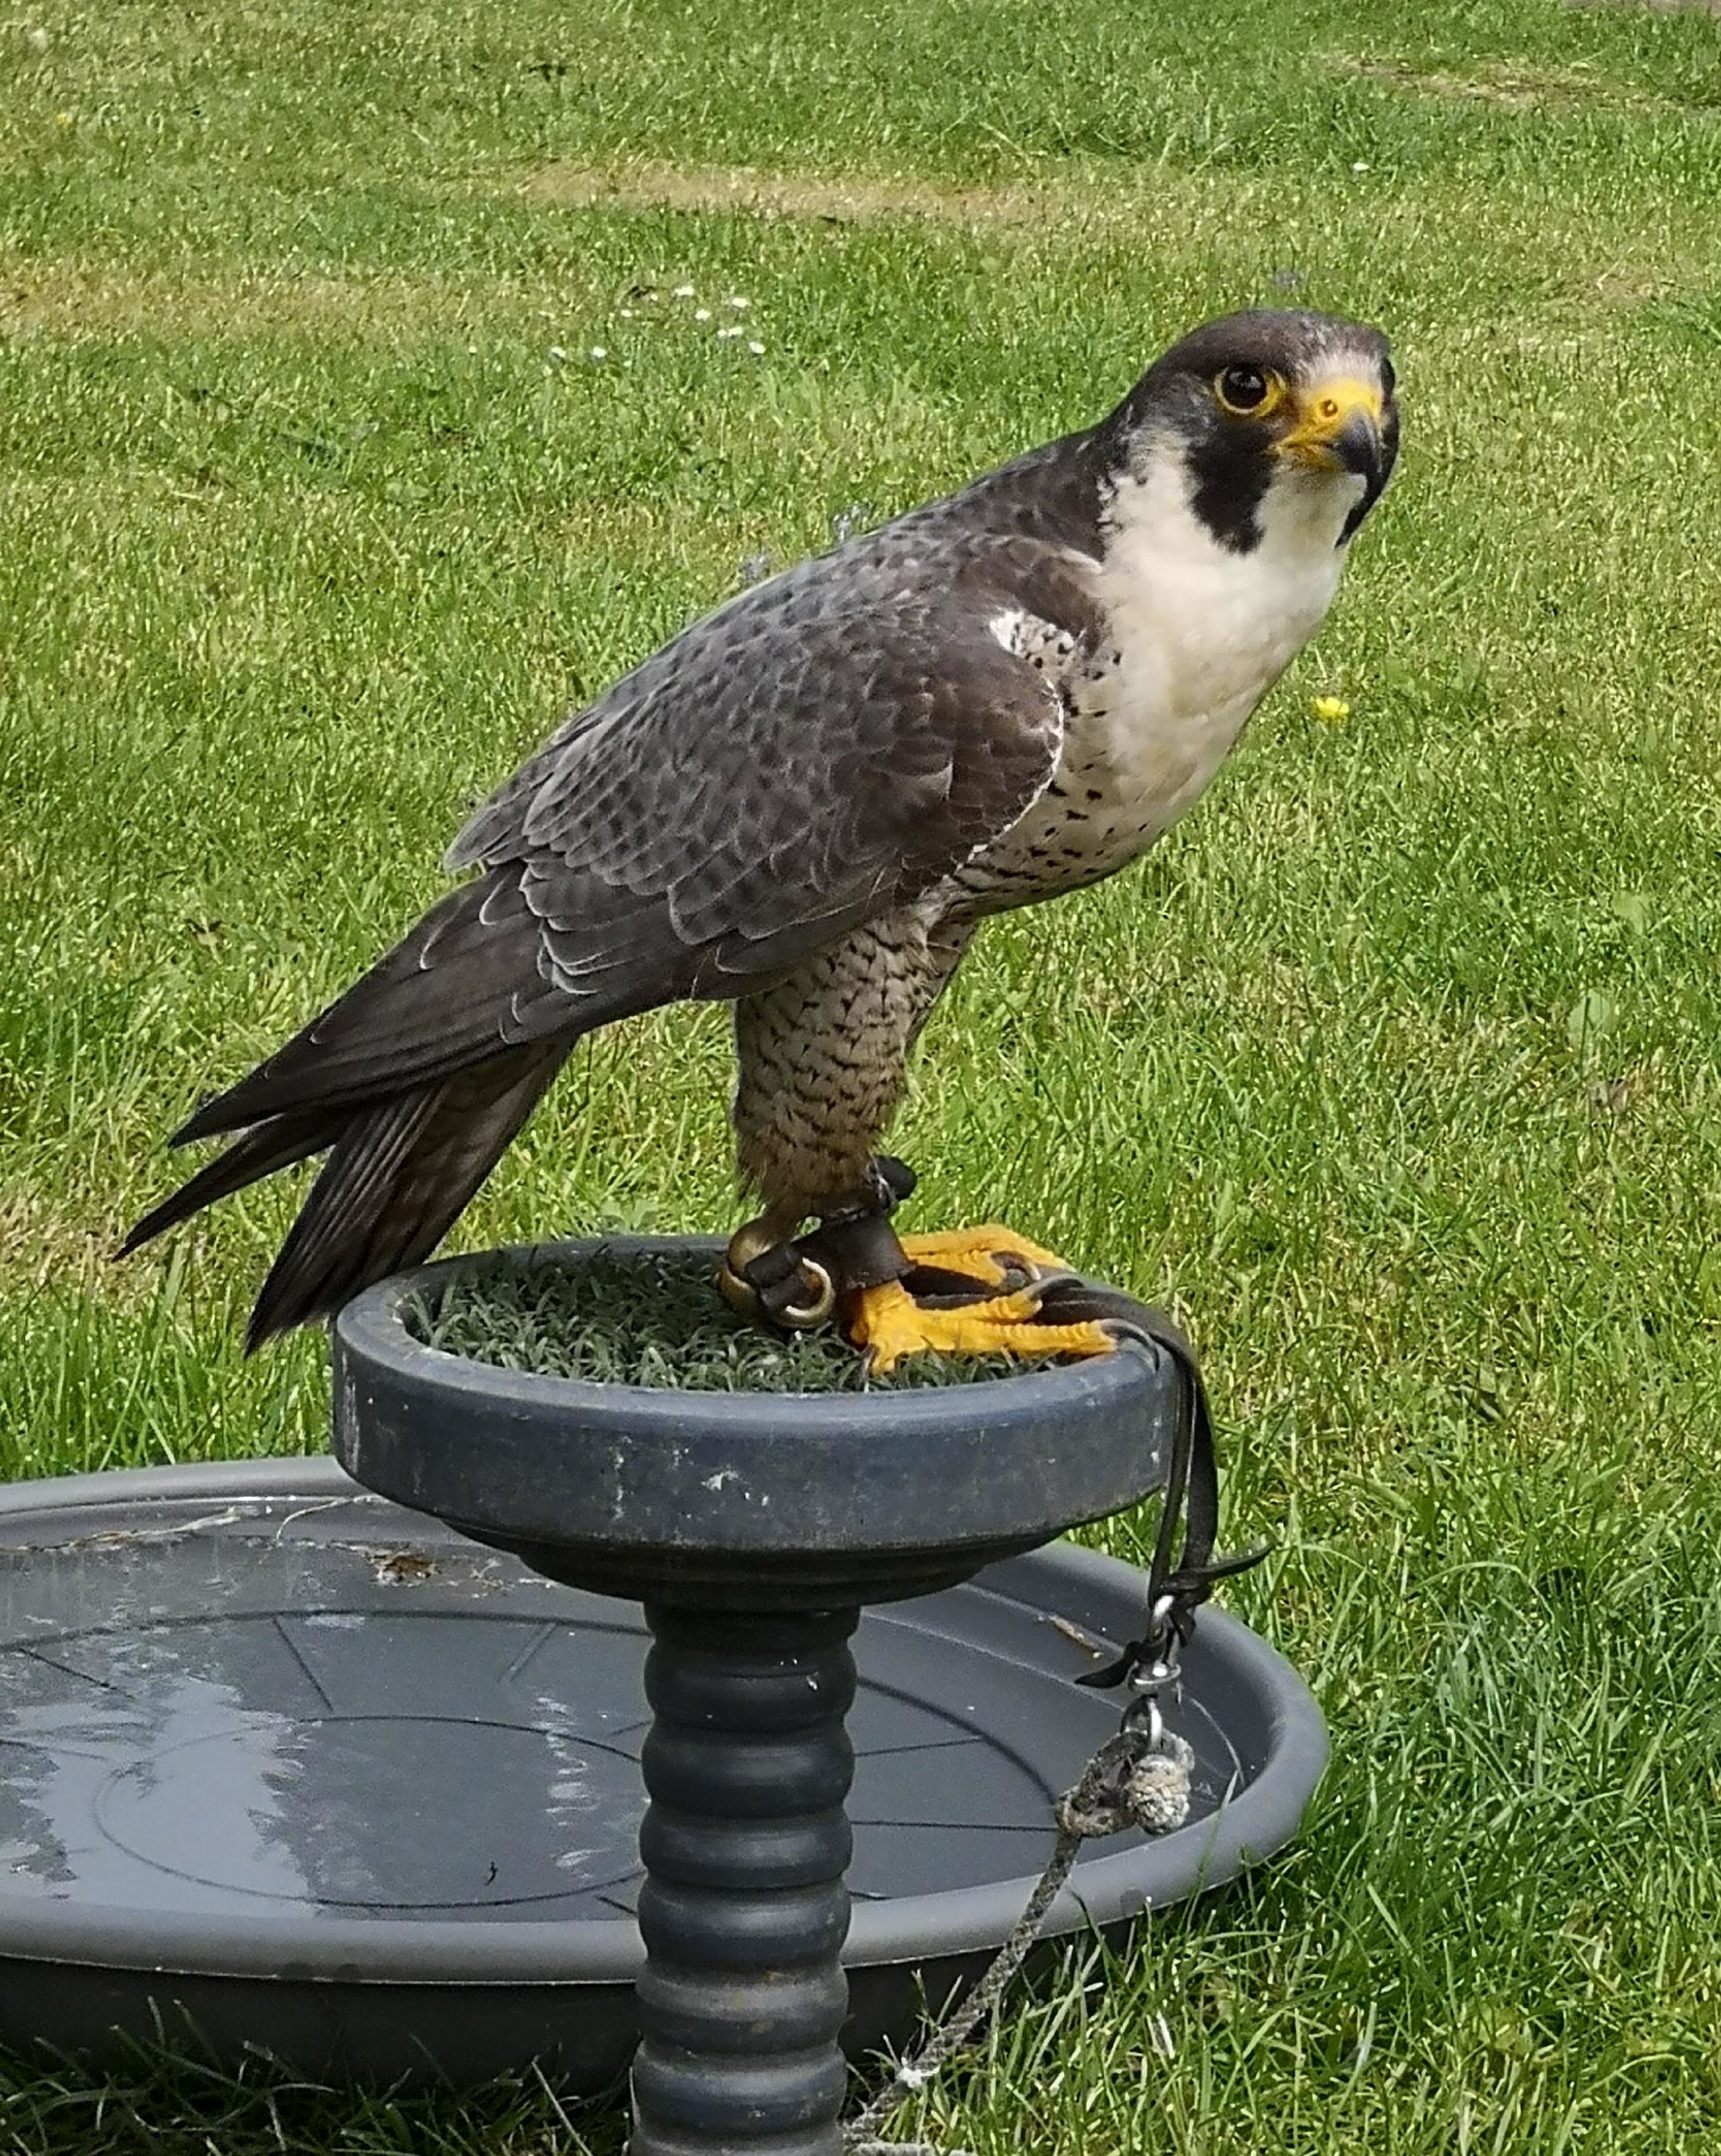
(1266, 413)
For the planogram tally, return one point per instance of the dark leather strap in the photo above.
(855, 1248)
(859, 1247)
(1180, 1579)
(776, 1277)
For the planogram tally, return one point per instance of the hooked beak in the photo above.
(1340, 426)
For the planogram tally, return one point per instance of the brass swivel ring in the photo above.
(803, 1316)
(752, 1242)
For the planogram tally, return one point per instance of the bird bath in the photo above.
(326, 1777)
(753, 1528)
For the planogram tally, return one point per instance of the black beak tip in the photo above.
(1359, 448)
(1368, 450)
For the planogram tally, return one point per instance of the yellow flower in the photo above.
(1332, 709)
(62, 118)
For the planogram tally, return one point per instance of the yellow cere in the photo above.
(1322, 411)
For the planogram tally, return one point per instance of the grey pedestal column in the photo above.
(752, 1528)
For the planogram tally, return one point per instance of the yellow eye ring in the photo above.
(1249, 393)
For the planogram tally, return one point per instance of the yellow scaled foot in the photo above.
(889, 1323)
(976, 1251)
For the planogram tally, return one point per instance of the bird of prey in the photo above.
(806, 803)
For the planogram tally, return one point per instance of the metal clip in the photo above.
(1159, 1669)
(1143, 1716)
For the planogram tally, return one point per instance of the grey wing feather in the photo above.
(398, 1175)
(789, 760)
(822, 749)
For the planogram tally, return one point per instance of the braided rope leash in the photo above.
(1139, 1778)
(1142, 1776)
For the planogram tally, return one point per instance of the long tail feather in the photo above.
(399, 1177)
(276, 1144)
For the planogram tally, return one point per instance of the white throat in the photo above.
(1195, 635)
(1199, 633)
(1222, 625)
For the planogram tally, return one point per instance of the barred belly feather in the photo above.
(822, 1056)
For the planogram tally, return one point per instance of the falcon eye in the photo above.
(1245, 389)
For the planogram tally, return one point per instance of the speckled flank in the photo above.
(1081, 829)
(822, 1054)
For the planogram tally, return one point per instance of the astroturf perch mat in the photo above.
(655, 1321)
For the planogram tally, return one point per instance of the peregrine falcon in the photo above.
(806, 803)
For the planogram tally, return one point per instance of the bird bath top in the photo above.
(736, 1500)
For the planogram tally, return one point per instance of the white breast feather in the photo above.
(1195, 635)
(1202, 632)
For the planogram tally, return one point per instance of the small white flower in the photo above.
(701, 314)
(557, 353)
(739, 305)
(600, 352)
(682, 292)
(754, 347)
(731, 331)
(627, 314)
(1360, 165)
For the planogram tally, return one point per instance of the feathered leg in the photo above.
(822, 1062)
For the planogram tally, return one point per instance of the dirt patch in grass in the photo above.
(39, 1245)
(70, 298)
(730, 190)
(1632, 285)
(1508, 85)
(1657, 7)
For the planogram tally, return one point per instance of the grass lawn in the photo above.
(1394, 1068)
